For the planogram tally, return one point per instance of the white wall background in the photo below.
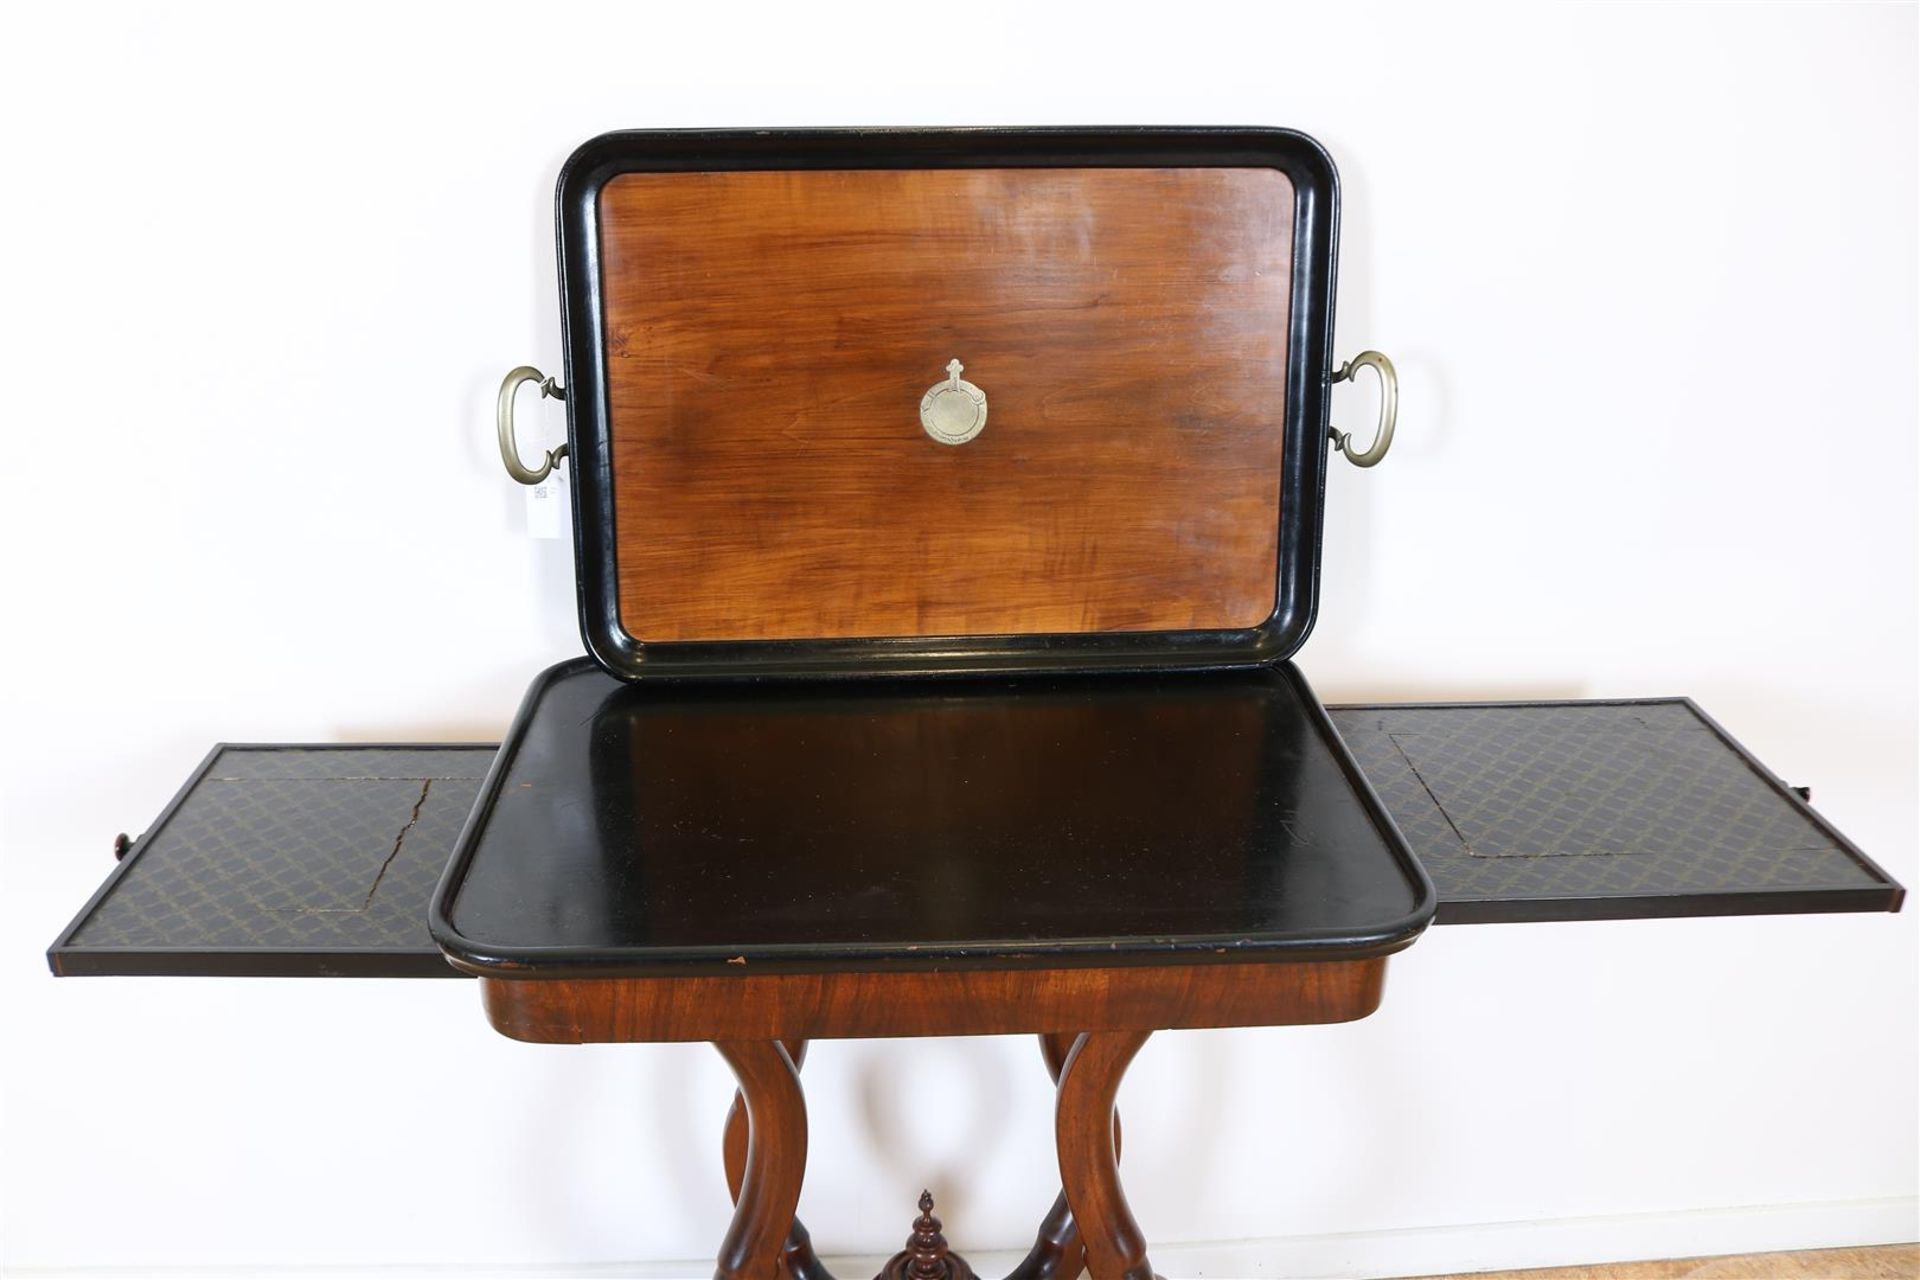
(1649, 276)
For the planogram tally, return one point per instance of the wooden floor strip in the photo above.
(1878, 1262)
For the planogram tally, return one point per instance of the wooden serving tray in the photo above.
(754, 320)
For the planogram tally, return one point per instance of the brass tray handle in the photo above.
(1389, 408)
(503, 418)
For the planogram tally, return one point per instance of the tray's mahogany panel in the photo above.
(769, 335)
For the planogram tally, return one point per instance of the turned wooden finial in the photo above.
(926, 1256)
(926, 1245)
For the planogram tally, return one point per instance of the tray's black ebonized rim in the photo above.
(494, 961)
(1304, 448)
(68, 960)
(1646, 906)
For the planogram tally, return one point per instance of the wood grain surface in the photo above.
(1084, 1120)
(776, 1160)
(770, 335)
(1875, 1262)
(943, 1003)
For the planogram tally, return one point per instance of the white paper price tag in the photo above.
(547, 507)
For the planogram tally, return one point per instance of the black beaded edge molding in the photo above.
(285, 860)
(1601, 810)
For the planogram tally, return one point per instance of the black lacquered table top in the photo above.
(647, 829)
(1601, 810)
(287, 860)
(321, 860)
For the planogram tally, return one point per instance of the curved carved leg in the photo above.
(1089, 1170)
(1058, 1252)
(798, 1259)
(776, 1160)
